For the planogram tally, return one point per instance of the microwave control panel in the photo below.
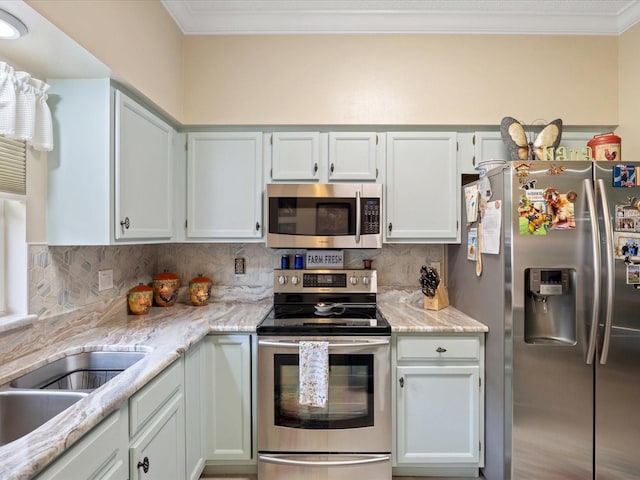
(370, 212)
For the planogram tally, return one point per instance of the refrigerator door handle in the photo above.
(595, 243)
(610, 273)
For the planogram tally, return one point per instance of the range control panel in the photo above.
(325, 281)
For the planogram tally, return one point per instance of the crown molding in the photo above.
(225, 17)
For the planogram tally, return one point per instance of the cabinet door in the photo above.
(143, 172)
(99, 455)
(229, 397)
(438, 414)
(224, 186)
(353, 156)
(295, 156)
(195, 409)
(159, 449)
(422, 188)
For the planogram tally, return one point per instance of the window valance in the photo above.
(24, 113)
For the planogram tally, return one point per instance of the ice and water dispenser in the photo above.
(550, 306)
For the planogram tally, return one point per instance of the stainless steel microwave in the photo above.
(304, 215)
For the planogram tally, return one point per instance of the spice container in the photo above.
(165, 289)
(140, 299)
(606, 147)
(199, 290)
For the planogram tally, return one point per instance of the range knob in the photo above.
(295, 280)
(353, 280)
(365, 280)
(282, 279)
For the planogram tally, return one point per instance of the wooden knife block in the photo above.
(439, 301)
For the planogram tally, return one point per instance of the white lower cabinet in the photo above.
(439, 421)
(195, 400)
(157, 427)
(99, 455)
(229, 389)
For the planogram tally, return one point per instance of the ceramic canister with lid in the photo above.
(140, 299)
(606, 147)
(199, 290)
(165, 289)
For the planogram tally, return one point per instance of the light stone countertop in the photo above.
(404, 310)
(166, 333)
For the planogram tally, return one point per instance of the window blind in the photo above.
(13, 166)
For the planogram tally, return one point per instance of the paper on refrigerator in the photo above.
(471, 202)
(491, 225)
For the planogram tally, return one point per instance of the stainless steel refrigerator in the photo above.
(563, 311)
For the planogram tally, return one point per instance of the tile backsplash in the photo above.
(63, 279)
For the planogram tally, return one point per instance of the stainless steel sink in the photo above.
(21, 411)
(81, 371)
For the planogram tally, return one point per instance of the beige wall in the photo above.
(629, 92)
(400, 79)
(138, 40)
(359, 79)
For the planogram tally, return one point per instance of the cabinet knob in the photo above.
(144, 464)
(257, 226)
(332, 168)
(441, 350)
(401, 381)
(315, 167)
(125, 223)
(390, 227)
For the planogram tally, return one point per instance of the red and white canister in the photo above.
(606, 147)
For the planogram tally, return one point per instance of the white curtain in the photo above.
(24, 113)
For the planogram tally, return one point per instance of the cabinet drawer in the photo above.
(148, 401)
(438, 348)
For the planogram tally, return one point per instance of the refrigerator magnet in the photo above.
(633, 274)
(624, 176)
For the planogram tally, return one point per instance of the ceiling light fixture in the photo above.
(11, 27)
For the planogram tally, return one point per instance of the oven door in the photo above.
(357, 417)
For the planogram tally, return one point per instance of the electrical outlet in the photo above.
(105, 280)
(239, 266)
(436, 267)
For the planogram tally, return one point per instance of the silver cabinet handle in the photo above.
(125, 223)
(441, 350)
(315, 168)
(359, 461)
(595, 242)
(401, 382)
(610, 277)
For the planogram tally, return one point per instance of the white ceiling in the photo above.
(222, 17)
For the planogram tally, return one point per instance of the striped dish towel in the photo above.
(314, 373)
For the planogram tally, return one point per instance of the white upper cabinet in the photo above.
(422, 188)
(324, 157)
(224, 186)
(295, 156)
(353, 156)
(112, 162)
(143, 172)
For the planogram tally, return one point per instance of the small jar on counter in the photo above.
(200, 290)
(140, 299)
(165, 289)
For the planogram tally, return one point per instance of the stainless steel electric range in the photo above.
(350, 436)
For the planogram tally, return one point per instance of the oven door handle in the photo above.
(363, 459)
(366, 343)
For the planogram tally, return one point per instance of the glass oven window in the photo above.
(350, 401)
